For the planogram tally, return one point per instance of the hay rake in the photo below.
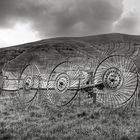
(114, 82)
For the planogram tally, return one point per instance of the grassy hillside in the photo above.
(81, 121)
(85, 122)
(89, 46)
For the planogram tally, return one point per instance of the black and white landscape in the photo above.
(37, 109)
(69, 70)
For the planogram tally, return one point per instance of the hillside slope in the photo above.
(58, 49)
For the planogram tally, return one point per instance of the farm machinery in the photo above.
(114, 82)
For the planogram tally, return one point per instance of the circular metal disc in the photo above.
(116, 79)
(113, 78)
(62, 83)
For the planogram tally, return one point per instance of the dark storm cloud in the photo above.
(62, 17)
(12, 11)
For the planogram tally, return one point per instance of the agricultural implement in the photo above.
(114, 81)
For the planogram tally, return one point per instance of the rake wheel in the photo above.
(116, 79)
(63, 84)
(28, 83)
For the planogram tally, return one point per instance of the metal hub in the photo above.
(62, 83)
(28, 82)
(113, 78)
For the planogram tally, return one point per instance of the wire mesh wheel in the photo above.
(63, 84)
(28, 84)
(116, 79)
(8, 85)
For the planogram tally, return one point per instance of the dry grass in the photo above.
(88, 122)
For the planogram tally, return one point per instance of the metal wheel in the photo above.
(63, 84)
(29, 83)
(116, 79)
(10, 78)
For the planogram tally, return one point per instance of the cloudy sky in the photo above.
(24, 21)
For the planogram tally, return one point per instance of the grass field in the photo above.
(78, 122)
